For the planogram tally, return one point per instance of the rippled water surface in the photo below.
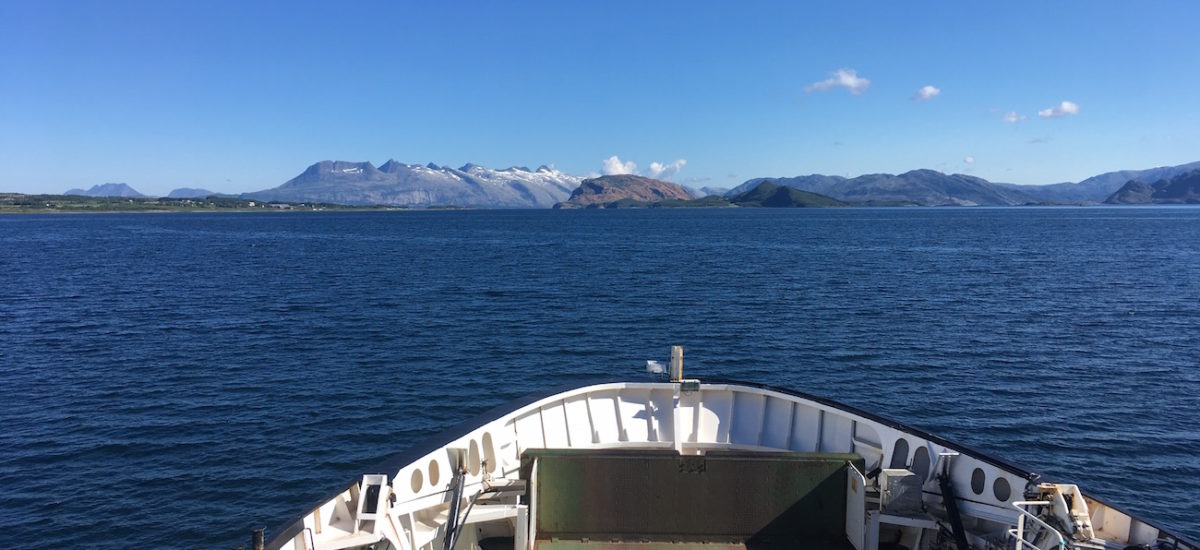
(174, 380)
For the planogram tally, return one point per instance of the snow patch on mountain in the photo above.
(400, 184)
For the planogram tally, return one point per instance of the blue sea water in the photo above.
(175, 380)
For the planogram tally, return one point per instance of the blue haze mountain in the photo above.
(1181, 189)
(707, 191)
(189, 193)
(1098, 188)
(107, 190)
(916, 187)
(932, 188)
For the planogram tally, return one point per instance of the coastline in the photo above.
(18, 203)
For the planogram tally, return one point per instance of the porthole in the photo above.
(920, 464)
(434, 472)
(1001, 489)
(978, 479)
(473, 458)
(417, 481)
(900, 454)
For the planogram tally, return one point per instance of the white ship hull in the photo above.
(897, 487)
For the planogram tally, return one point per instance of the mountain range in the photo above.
(1181, 189)
(474, 186)
(917, 187)
(630, 191)
(1099, 188)
(932, 188)
(124, 190)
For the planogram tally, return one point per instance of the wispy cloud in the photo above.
(926, 93)
(613, 166)
(968, 160)
(1063, 109)
(1013, 117)
(1036, 141)
(841, 78)
(659, 170)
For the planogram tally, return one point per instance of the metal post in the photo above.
(258, 538)
(676, 363)
(1020, 531)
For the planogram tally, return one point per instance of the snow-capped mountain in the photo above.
(399, 184)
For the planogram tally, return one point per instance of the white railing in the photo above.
(1019, 532)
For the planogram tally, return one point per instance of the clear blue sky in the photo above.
(241, 96)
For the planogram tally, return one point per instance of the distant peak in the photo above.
(433, 166)
(107, 190)
(469, 166)
(923, 171)
(544, 168)
(189, 193)
(340, 168)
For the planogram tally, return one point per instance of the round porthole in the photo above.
(978, 479)
(1001, 489)
(417, 481)
(434, 472)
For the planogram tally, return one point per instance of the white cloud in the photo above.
(1012, 117)
(1063, 109)
(842, 78)
(613, 166)
(926, 93)
(969, 159)
(659, 170)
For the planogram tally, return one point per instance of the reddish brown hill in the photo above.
(604, 190)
